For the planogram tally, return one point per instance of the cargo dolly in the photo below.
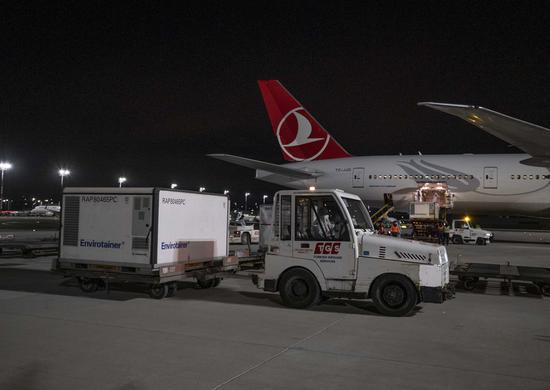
(470, 273)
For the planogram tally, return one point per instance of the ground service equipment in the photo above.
(316, 245)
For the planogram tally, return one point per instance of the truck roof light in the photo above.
(312, 188)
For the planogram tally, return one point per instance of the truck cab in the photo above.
(322, 244)
(462, 232)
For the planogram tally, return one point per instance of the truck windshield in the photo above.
(359, 215)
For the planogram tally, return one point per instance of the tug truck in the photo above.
(150, 236)
(322, 244)
(316, 245)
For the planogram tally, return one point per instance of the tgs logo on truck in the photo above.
(327, 248)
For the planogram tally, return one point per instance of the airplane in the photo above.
(506, 184)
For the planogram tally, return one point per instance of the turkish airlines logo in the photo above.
(327, 248)
(300, 140)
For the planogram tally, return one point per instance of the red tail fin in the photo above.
(300, 136)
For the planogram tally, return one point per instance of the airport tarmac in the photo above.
(234, 336)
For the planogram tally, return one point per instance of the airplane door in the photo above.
(358, 177)
(490, 177)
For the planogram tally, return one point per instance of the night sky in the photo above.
(145, 90)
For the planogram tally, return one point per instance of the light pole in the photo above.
(225, 192)
(173, 185)
(4, 166)
(121, 180)
(63, 173)
(246, 195)
(264, 198)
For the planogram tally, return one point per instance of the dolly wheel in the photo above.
(457, 240)
(158, 291)
(88, 285)
(205, 283)
(172, 289)
(469, 284)
(217, 282)
(545, 289)
(394, 295)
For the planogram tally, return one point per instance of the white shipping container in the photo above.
(136, 227)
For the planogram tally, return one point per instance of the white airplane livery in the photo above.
(511, 184)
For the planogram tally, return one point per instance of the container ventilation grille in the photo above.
(140, 243)
(382, 252)
(71, 218)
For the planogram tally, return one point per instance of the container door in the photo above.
(490, 177)
(358, 177)
(322, 234)
(141, 224)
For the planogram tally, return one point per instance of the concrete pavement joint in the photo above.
(292, 346)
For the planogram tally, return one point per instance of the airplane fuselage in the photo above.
(482, 183)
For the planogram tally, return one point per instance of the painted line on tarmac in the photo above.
(292, 346)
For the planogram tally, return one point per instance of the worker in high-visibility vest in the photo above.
(395, 230)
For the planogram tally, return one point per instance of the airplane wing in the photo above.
(531, 138)
(265, 166)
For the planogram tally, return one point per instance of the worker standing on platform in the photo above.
(395, 230)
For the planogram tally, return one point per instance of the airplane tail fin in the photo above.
(300, 136)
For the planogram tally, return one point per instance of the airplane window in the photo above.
(385, 176)
(537, 177)
(530, 177)
(518, 177)
(401, 176)
(512, 177)
(524, 177)
(370, 177)
(405, 176)
(459, 176)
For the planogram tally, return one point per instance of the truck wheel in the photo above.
(88, 285)
(457, 240)
(299, 289)
(394, 295)
(480, 241)
(158, 291)
(245, 239)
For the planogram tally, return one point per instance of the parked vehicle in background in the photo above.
(241, 233)
(462, 233)
(47, 211)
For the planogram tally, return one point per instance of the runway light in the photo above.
(202, 189)
(121, 180)
(225, 192)
(312, 188)
(173, 185)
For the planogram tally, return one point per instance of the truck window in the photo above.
(359, 215)
(318, 218)
(461, 225)
(285, 217)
